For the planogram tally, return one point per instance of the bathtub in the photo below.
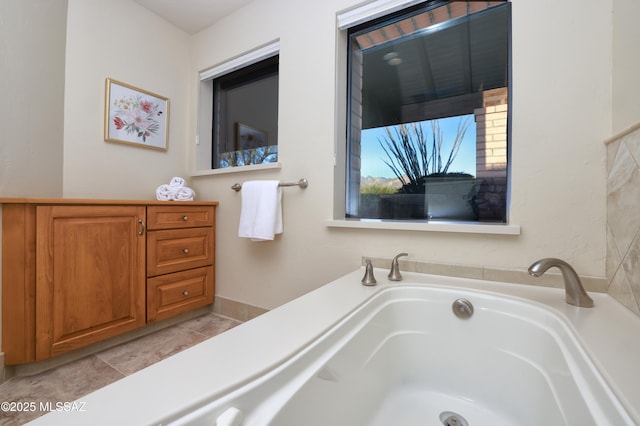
(397, 354)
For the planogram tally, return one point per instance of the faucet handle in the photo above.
(394, 273)
(368, 278)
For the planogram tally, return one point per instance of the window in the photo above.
(238, 113)
(428, 113)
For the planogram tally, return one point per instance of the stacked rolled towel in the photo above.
(175, 191)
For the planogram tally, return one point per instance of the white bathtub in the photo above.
(396, 354)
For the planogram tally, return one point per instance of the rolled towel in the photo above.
(184, 194)
(164, 193)
(176, 182)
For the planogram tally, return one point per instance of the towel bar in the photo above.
(302, 183)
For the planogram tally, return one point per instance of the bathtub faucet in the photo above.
(575, 294)
(394, 273)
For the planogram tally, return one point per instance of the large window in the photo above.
(428, 116)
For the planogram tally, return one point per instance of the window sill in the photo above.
(460, 227)
(237, 169)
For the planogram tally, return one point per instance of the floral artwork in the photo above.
(134, 116)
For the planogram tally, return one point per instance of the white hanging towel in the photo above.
(261, 213)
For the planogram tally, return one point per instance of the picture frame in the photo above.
(135, 117)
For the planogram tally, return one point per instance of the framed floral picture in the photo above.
(136, 117)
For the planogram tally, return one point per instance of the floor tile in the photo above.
(147, 350)
(210, 325)
(72, 381)
(63, 384)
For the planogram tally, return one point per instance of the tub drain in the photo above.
(449, 418)
(462, 308)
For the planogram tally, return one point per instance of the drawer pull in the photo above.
(185, 293)
(185, 251)
(185, 218)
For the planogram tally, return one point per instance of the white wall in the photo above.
(32, 51)
(626, 64)
(562, 111)
(561, 114)
(121, 40)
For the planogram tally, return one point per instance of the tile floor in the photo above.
(76, 379)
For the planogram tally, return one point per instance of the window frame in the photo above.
(204, 144)
(368, 16)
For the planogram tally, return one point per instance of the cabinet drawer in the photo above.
(178, 216)
(171, 294)
(178, 249)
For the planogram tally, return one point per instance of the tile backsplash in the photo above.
(623, 217)
(552, 278)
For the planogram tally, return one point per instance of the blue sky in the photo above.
(373, 155)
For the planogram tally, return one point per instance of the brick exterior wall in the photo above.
(491, 155)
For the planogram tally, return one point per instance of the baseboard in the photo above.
(236, 310)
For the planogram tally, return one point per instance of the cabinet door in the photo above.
(90, 275)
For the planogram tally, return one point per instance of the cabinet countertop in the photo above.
(104, 202)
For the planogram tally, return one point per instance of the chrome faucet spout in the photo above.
(575, 294)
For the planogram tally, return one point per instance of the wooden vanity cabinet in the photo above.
(75, 272)
(180, 255)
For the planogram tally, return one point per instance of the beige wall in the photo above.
(53, 97)
(121, 40)
(558, 158)
(32, 52)
(626, 63)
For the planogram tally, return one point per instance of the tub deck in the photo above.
(187, 381)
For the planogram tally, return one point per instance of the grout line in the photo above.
(113, 367)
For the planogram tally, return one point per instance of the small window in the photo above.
(245, 116)
(238, 112)
(428, 114)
